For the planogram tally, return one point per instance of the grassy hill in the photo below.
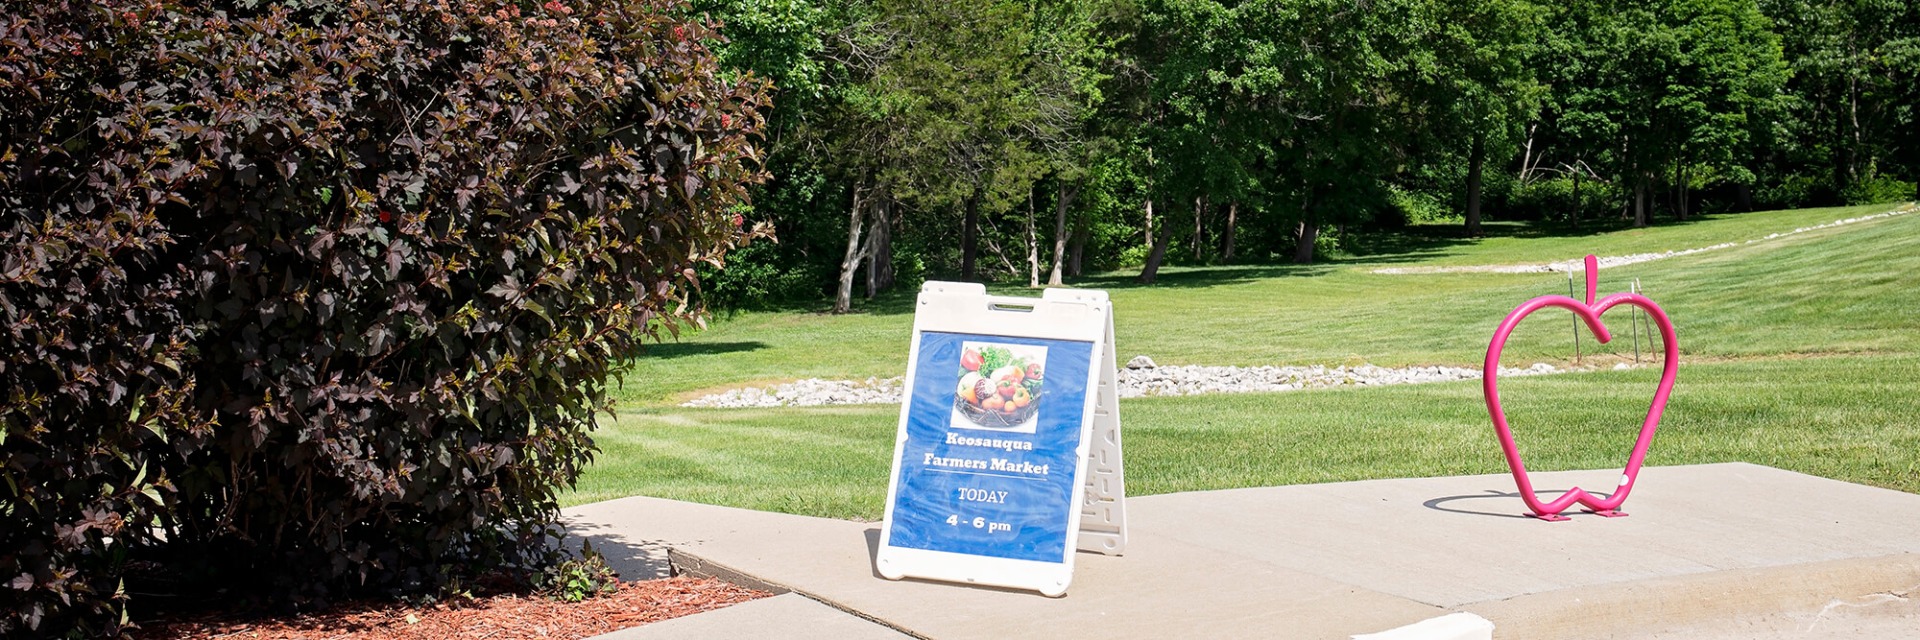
(1800, 351)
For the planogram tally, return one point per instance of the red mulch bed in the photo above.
(496, 617)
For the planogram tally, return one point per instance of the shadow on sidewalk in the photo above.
(634, 560)
(1509, 498)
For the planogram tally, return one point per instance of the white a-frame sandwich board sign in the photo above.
(1007, 457)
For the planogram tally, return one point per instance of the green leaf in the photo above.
(537, 310)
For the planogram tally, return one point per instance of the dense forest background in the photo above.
(1037, 140)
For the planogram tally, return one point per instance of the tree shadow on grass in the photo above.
(896, 300)
(670, 350)
(902, 300)
(1415, 243)
(1204, 277)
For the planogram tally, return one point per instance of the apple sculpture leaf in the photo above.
(1588, 311)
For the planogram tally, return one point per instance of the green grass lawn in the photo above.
(1854, 418)
(1801, 353)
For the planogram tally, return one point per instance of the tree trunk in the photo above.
(1853, 141)
(1307, 233)
(879, 245)
(1526, 157)
(970, 236)
(1673, 189)
(867, 255)
(1743, 194)
(1686, 194)
(1640, 201)
(1149, 226)
(1199, 245)
(1303, 242)
(1840, 162)
(1061, 202)
(1578, 204)
(1476, 162)
(1680, 187)
(1233, 218)
(1082, 232)
(1159, 252)
(884, 248)
(1005, 262)
(843, 297)
(1843, 136)
(1033, 245)
(1152, 268)
(1853, 116)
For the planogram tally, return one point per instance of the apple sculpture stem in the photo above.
(1588, 311)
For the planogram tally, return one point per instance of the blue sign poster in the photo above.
(993, 427)
(1007, 454)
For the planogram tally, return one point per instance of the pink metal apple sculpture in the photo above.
(1588, 311)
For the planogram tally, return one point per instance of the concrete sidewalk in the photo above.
(1723, 550)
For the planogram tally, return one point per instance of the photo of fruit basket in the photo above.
(995, 419)
(1001, 386)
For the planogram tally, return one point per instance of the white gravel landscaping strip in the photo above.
(1616, 261)
(811, 392)
(1138, 379)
